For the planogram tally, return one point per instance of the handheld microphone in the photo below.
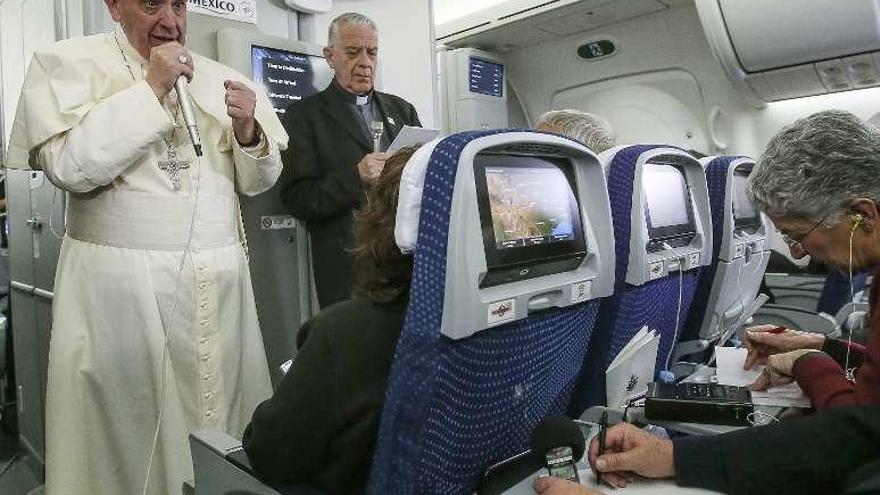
(189, 117)
(376, 127)
(560, 443)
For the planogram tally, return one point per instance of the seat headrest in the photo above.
(409, 201)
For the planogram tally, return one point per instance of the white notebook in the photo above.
(632, 369)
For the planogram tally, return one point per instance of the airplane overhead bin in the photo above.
(518, 24)
(770, 54)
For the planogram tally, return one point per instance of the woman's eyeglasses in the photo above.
(798, 242)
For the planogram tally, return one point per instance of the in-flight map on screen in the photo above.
(530, 206)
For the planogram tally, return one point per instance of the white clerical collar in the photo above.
(359, 100)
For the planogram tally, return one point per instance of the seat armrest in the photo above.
(221, 467)
(853, 320)
(687, 348)
(683, 369)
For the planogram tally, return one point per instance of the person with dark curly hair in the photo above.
(320, 426)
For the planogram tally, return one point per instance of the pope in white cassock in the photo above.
(154, 312)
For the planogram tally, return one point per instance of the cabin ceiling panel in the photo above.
(493, 30)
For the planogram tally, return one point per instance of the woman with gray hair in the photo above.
(819, 181)
(591, 130)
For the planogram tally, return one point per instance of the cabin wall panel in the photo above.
(671, 40)
(407, 64)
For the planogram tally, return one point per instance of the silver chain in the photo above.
(169, 142)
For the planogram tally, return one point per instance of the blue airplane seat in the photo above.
(740, 253)
(457, 404)
(836, 291)
(716, 183)
(647, 292)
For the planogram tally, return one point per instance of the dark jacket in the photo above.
(320, 425)
(323, 184)
(815, 454)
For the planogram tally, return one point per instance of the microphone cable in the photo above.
(681, 262)
(186, 252)
(850, 373)
(168, 332)
(58, 192)
(741, 296)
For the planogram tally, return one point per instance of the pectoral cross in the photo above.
(172, 166)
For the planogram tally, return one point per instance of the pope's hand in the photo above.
(167, 63)
(241, 101)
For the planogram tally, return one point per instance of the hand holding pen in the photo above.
(763, 341)
(629, 450)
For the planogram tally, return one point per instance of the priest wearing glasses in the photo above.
(155, 330)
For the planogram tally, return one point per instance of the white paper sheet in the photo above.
(730, 362)
(412, 136)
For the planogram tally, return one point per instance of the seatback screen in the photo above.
(529, 213)
(288, 76)
(667, 201)
(744, 212)
(530, 205)
(666, 195)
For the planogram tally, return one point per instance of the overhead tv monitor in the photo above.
(745, 215)
(668, 207)
(485, 77)
(288, 76)
(530, 216)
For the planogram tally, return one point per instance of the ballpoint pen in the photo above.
(602, 427)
